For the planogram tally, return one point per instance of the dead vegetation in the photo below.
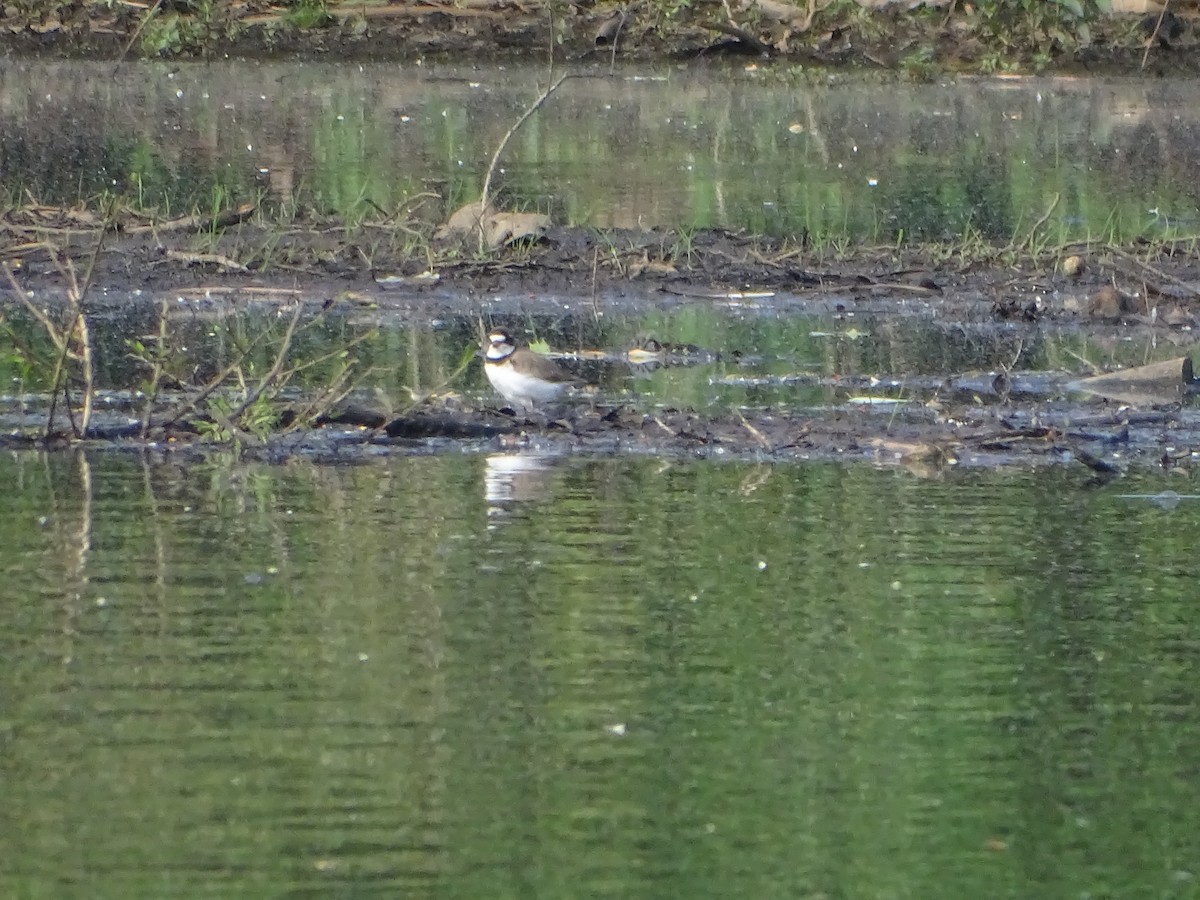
(239, 403)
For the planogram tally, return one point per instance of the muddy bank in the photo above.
(919, 41)
(923, 438)
(1142, 416)
(322, 263)
(1105, 437)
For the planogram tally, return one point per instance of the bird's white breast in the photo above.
(517, 387)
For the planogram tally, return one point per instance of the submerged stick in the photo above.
(157, 371)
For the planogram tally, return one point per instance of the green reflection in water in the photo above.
(776, 153)
(747, 357)
(460, 677)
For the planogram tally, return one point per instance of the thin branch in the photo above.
(56, 381)
(484, 197)
(281, 354)
(1028, 242)
(1156, 272)
(612, 57)
(89, 371)
(77, 295)
(44, 320)
(137, 32)
(217, 380)
(1150, 41)
(156, 373)
(287, 374)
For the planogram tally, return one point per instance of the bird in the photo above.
(524, 378)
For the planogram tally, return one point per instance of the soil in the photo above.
(918, 40)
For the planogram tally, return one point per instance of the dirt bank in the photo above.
(321, 261)
(914, 40)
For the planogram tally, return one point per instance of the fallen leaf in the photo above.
(466, 219)
(509, 227)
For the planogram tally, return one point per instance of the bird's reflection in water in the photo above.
(511, 479)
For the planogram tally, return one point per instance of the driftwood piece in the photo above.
(742, 35)
(429, 426)
(1154, 384)
(216, 222)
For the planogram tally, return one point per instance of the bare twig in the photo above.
(89, 371)
(216, 381)
(338, 388)
(754, 432)
(466, 361)
(73, 342)
(612, 56)
(51, 329)
(595, 267)
(1150, 41)
(1156, 272)
(57, 380)
(285, 347)
(1028, 242)
(77, 294)
(288, 374)
(198, 223)
(485, 198)
(137, 33)
(156, 372)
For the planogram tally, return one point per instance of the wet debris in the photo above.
(396, 282)
(910, 438)
(648, 353)
(418, 425)
(1101, 467)
(1017, 308)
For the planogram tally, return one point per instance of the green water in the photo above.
(771, 358)
(612, 678)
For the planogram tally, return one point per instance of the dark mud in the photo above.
(1157, 282)
(927, 439)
